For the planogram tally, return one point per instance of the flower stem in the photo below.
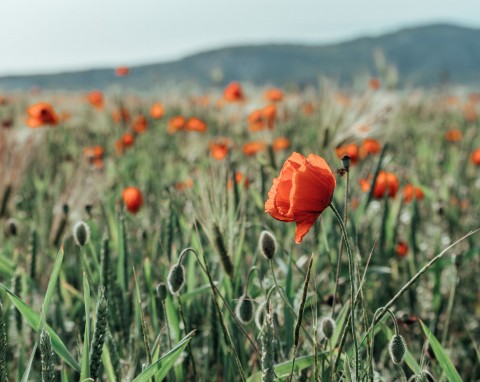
(351, 266)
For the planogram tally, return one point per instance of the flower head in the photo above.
(132, 198)
(302, 191)
(41, 114)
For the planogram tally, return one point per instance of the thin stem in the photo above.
(351, 269)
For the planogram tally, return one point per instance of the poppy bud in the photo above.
(244, 309)
(81, 233)
(11, 227)
(327, 326)
(161, 290)
(346, 162)
(176, 278)
(267, 244)
(397, 349)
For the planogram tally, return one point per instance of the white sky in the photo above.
(42, 36)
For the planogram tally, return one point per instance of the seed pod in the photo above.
(161, 291)
(244, 309)
(81, 233)
(48, 366)
(3, 347)
(11, 227)
(397, 349)
(327, 326)
(176, 278)
(267, 244)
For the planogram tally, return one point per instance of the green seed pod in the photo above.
(327, 326)
(161, 291)
(99, 335)
(81, 233)
(48, 366)
(3, 347)
(176, 278)
(267, 244)
(397, 349)
(244, 309)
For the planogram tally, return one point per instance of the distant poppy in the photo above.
(95, 98)
(127, 140)
(386, 184)
(374, 83)
(121, 115)
(175, 124)
(364, 184)
(308, 109)
(302, 192)
(370, 146)
(157, 111)
(401, 248)
(92, 153)
(475, 157)
(132, 198)
(410, 192)
(255, 120)
(252, 148)
(196, 124)
(140, 124)
(240, 179)
(274, 95)
(469, 112)
(269, 113)
(280, 143)
(41, 114)
(122, 71)
(219, 149)
(453, 135)
(233, 92)
(351, 150)
(187, 184)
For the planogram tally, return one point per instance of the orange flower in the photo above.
(475, 157)
(157, 111)
(92, 153)
(308, 109)
(370, 146)
(233, 92)
(280, 143)
(410, 192)
(175, 124)
(386, 182)
(274, 95)
(239, 178)
(255, 120)
(95, 98)
(401, 249)
(196, 124)
(453, 135)
(351, 150)
(140, 124)
(302, 191)
(180, 186)
(132, 198)
(41, 114)
(469, 112)
(374, 83)
(252, 148)
(127, 140)
(269, 113)
(121, 115)
(122, 71)
(219, 149)
(364, 184)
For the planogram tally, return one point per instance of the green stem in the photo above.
(351, 266)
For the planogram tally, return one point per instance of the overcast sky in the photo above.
(42, 36)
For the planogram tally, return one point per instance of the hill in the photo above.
(424, 56)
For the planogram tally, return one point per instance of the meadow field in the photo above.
(240, 233)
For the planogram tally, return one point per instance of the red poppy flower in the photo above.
(157, 111)
(121, 115)
(401, 249)
(252, 148)
(95, 98)
(274, 95)
(175, 124)
(302, 192)
(233, 92)
(122, 71)
(132, 198)
(240, 179)
(351, 150)
(269, 113)
(308, 109)
(219, 149)
(410, 192)
(453, 135)
(475, 157)
(370, 146)
(386, 182)
(140, 124)
(41, 114)
(255, 120)
(280, 144)
(374, 83)
(196, 124)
